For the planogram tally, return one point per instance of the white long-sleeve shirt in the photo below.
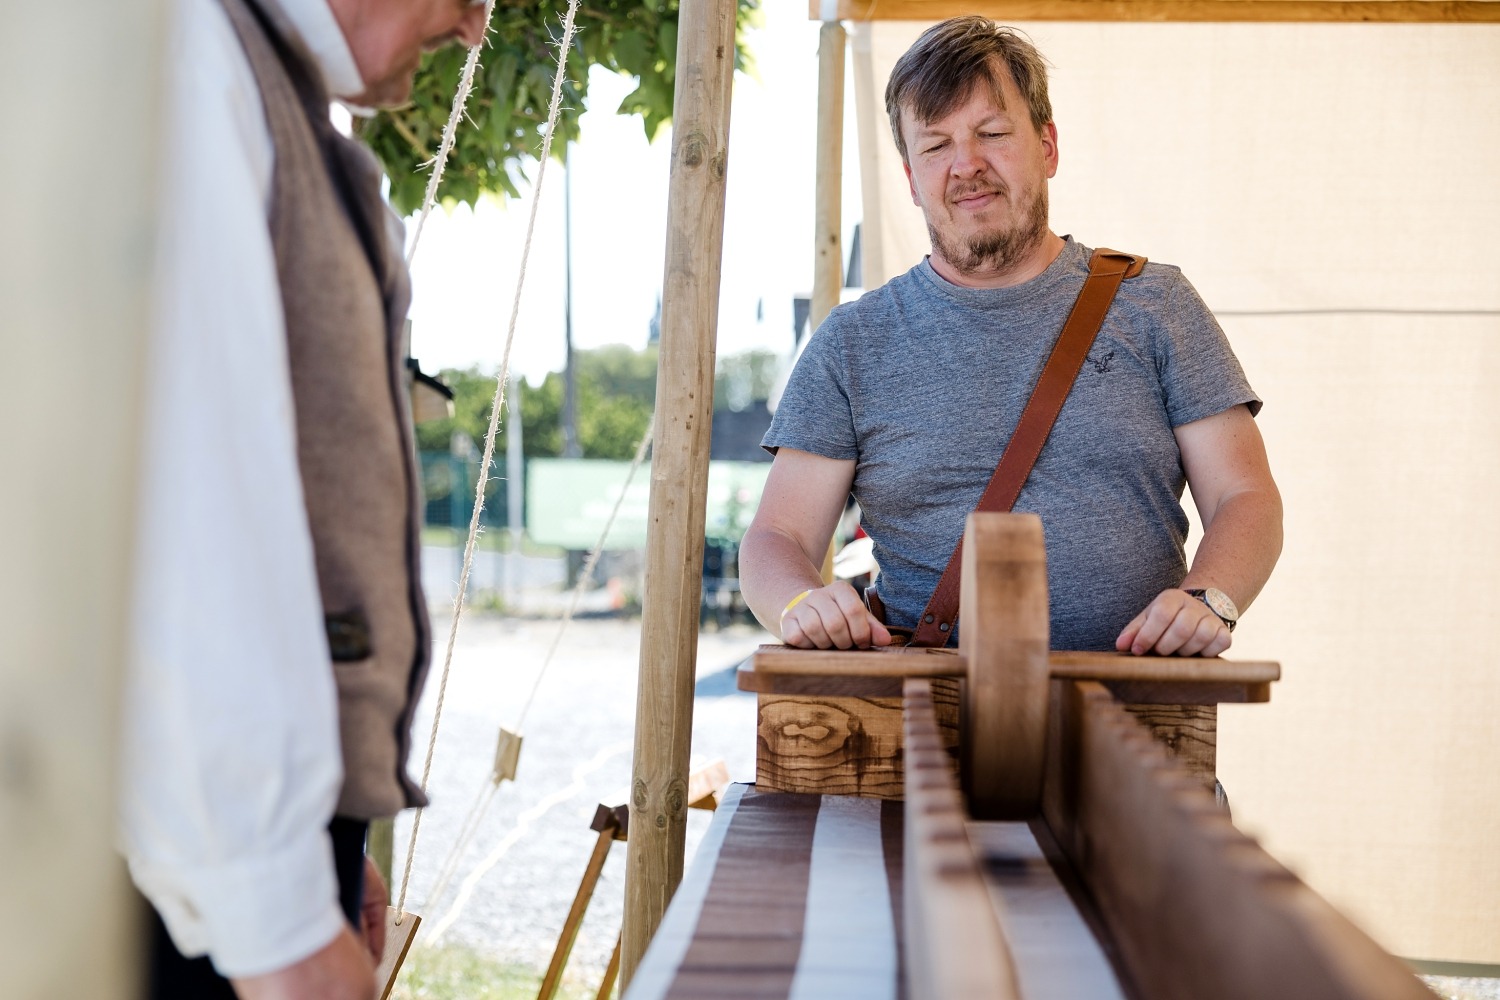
(231, 757)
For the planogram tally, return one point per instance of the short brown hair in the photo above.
(942, 68)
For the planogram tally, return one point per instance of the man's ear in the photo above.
(1049, 148)
(911, 184)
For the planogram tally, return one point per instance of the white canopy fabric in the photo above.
(1333, 191)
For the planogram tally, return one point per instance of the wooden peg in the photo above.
(400, 929)
(507, 755)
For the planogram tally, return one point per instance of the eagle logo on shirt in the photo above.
(1101, 362)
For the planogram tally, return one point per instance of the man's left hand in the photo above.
(1175, 624)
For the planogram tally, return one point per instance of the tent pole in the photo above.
(828, 261)
(75, 268)
(679, 469)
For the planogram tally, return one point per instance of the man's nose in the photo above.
(966, 158)
(471, 27)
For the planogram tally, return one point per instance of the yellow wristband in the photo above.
(792, 604)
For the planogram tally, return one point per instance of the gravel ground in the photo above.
(515, 878)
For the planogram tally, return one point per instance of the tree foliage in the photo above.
(616, 395)
(616, 392)
(507, 110)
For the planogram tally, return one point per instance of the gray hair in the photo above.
(942, 68)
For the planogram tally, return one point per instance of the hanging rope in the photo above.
(440, 161)
(486, 795)
(523, 824)
(497, 404)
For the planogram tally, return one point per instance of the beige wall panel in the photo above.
(1372, 771)
(78, 169)
(1343, 176)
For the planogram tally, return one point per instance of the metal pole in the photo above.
(514, 484)
(679, 468)
(571, 447)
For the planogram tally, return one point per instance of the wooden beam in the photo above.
(955, 946)
(74, 284)
(1342, 11)
(1193, 907)
(679, 468)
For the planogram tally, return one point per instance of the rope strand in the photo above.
(489, 441)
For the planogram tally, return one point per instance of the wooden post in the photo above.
(75, 270)
(380, 846)
(828, 253)
(679, 468)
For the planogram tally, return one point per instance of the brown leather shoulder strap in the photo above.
(1107, 268)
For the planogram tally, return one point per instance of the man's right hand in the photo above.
(341, 970)
(832, 617)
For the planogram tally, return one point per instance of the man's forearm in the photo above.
(773, 570)
(1240, 546)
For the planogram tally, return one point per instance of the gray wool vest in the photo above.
(345, 292)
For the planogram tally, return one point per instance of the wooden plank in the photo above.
(787, 661)
(1189, 692)
(955, 945)
(1195, 908)
(679, 467)
(840, 745)
(1056, 954)
(1166, 669)
(822, 685)
(1344, 11)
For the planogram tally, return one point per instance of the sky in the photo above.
(467, 266)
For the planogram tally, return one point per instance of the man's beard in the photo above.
(995, 250)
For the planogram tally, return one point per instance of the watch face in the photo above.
(1220, 604)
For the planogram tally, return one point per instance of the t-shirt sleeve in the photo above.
(814, 413)
(1200, 375)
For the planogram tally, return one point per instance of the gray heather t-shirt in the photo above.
(921, 383)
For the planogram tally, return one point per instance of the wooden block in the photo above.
(507, 755)
(400, 929)
(840, 746)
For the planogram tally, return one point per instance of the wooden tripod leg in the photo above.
(1004, 643)
(610, 973)
(607, 823)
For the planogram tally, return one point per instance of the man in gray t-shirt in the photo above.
(908, 396)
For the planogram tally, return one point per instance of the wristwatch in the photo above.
(1218, 602)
